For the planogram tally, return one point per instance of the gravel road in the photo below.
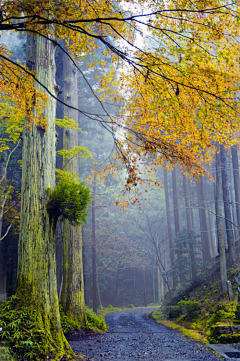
(132, 337)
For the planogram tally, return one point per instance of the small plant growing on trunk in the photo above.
(69, 200)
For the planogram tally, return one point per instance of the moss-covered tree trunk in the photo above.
(73, 288)
(36, 279)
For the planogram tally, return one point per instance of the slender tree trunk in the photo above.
(203, 223)
(227, 211)
(3, 271)
(170, 236)
(159, 284)
(191, 204)
(2, 171)
(99, 294)
(153, 280)
(144, 287)
(232, 199)
(94, 261)
(189, 226)
(36, 280)
(73, 287)
(116, 290)
(220, 232)
(176, 214)
(210, 234)
(236, 178)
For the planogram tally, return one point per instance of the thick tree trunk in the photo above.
(73, 287)
(227, 210)
(36, 280)
(189, 226)
(236, 178)
(220, 232)
(170, 236)
(203, 223)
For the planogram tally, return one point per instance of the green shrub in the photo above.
(71, 200)
(173, 311)
(94, 321)
(156, 315)
(130, 306)
(191, 309)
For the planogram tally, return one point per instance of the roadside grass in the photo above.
(103, 311)
(197, 311)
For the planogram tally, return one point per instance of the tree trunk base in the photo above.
(38, 339)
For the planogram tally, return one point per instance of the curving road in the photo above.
(132, 337)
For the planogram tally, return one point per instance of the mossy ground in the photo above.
(89, 321)
(24, 337)
(5, 354)
(103, 311)
(199, 308)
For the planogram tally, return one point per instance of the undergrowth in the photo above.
(90, 321)
(20, 333)
(26, 339)
(201, 308)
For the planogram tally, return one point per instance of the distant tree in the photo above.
(226, 203)
(220, 232)
(183, 264)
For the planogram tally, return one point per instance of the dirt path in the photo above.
(132, 337)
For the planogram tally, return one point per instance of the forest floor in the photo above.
(132, 336)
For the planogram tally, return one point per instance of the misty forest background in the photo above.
(132, 255)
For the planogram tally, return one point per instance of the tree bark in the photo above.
(170, 236)
(220, 232)
(203, 223)
(73, 287)
(189, 226)
(227, 210)
(36, 278)
(236, 179)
